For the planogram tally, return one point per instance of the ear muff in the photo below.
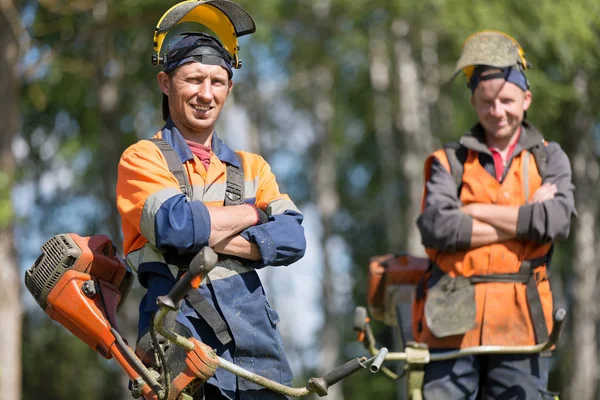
(225, 18)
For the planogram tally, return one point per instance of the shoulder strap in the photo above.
(234, 191)
(175, 166)
(540, 155)
(456, 154)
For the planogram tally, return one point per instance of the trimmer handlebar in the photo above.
(418, 354)
(201, 265)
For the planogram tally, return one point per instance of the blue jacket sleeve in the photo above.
(281, 240)
(182, 225)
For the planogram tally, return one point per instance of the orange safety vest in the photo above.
(502, 310)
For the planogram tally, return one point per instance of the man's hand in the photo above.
(543, 193)
(468, 209)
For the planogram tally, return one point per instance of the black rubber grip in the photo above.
(321, 385)
(559, 318)
(201, 265)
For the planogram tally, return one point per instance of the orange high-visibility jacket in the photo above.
(502, 314)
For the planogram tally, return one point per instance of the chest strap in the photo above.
(234, 190)
(175, 166)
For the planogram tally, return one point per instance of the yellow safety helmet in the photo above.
(491, 48)
(225, 18)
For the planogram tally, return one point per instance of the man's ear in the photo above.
(163, 82)
(527, 100)
(230, 86)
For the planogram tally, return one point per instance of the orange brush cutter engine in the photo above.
(391, 289)
(80, 283)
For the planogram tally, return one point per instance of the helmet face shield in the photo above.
(491, 48)
(225, 18)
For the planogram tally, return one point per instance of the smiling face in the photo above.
(197, 93)
(500, 107)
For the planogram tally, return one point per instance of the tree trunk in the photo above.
(586, 170)
(384, 133)
(416, 95)
(413, 122)
(107, 85)
(10, 299)
(327, 200)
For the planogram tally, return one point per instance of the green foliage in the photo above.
(58, 366)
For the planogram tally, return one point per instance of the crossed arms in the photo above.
(448, 225)
(150, 202)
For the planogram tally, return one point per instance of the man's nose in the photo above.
(496, 109)
(205, 90)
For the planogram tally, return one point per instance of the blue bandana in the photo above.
(510, 74)
(198, 47)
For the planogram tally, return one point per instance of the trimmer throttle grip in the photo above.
(200, 266)
(321, 385)
(360, 318)
(559, 318)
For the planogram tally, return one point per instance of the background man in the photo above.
(493, 205)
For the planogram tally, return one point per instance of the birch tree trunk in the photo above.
(413, 122)
(108, 81)
(108, 77)
(586, 171)
(327, 200)
(379, 69)
(10, 283)
(416, 93)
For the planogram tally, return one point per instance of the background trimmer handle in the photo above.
(201, 265)
(321, 385)
(559, 318)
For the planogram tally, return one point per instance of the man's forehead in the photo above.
(494, 88)
(201, 69)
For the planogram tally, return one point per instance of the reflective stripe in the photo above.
(280, 206)
(151, 207)
(216, 191)
(226, 269)
(250, 188)
(148, 253)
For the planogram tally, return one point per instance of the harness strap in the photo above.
(175, 166)
(456, 154)
(526, 176)
(210, 315)
(528, 277)
(535, 305)
(234, 191)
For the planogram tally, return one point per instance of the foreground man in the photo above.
(171, 194)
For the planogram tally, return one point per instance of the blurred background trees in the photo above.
(344, 99)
